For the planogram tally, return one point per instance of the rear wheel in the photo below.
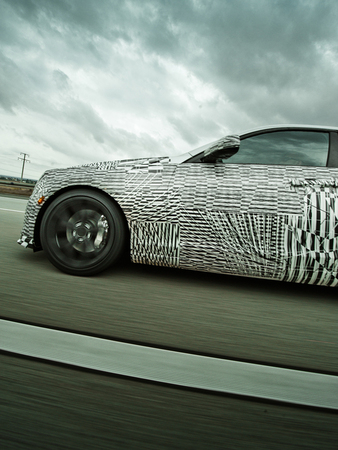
(83, 232)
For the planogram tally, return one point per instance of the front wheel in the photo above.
(83, 232)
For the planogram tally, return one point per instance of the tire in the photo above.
(83, 232)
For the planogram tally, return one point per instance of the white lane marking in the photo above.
(12, 210)
(182, 369)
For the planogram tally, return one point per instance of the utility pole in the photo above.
(24, 160)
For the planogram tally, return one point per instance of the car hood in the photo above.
(138, 162)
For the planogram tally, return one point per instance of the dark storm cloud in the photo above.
(231, 35)
(140, 76)
(253, 49)
(270, 43)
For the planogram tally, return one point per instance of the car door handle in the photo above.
(317, 182)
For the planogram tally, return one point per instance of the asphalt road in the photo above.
(256, 320)
(49, 407)
(45, 406)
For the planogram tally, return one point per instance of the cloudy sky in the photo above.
(96, 80)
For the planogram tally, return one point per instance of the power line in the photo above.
(24, 160)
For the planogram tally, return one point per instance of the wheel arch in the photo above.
(74, 188)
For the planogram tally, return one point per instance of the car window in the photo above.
(295, 148)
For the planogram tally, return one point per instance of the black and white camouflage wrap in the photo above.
(277, 222)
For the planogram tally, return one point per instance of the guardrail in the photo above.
(16, 188)
(16, 183)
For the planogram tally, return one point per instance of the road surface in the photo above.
(53, 406)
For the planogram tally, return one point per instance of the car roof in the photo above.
(283, 127)
(270, 128)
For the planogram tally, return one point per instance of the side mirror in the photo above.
(222, 149)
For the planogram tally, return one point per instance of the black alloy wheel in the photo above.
(83, 232)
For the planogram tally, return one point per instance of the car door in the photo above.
(267, 211)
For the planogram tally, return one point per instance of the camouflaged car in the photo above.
(260, 204)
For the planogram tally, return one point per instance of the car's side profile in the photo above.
(260, 204)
